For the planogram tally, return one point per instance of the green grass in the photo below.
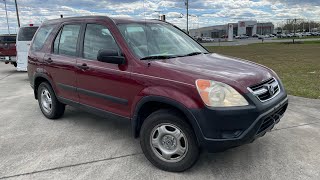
(298, 65)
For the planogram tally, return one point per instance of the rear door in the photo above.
(60, 64)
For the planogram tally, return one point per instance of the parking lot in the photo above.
(239, 42)
(85, 146)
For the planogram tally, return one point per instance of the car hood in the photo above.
(220, 68)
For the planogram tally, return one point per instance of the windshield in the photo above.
(158, 40)
(26, 33)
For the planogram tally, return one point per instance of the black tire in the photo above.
(171, 117)
(57, 108)
(15, 64)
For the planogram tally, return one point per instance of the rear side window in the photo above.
(41, 37)
(97, 37)
(26, 33)
(66, 41)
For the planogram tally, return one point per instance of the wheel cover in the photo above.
(46, 101)
(168, 142)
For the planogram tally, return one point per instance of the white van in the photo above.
(24, 39)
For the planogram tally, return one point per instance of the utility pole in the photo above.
(187, 6)
(17, 11)
(309, 25)
(5, 6)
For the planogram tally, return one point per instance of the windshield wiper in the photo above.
(193, 54)
(157, 57)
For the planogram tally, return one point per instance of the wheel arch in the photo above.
(38, 79)
(147, 103)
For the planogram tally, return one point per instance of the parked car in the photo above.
(207, 39)
(290, 35)
(298, 35)
(242, 37)
(198, 39)
(306, 34)
(8, 49)
(24, 38)
(282, 35)
(178, 97)
(256, 35)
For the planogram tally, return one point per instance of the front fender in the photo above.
(188, 101)
(168, 96)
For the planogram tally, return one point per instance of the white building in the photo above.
(242, 27)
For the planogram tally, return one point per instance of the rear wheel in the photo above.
(48, 102)
(168, 141)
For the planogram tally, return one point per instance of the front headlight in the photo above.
(217, 94)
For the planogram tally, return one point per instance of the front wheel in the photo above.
(48, 102)
(168, 141)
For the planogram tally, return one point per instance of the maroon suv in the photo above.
(178, 97)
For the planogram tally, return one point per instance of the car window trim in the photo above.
(81, 52)
(60, 29)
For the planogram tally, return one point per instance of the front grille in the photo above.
(272, 119)
(266, 90)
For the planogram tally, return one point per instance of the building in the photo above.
(242, 27)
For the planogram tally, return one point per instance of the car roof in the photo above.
(29, 25)
(116, 20)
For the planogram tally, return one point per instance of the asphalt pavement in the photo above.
(85, 146)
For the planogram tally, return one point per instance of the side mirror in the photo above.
(110, 56)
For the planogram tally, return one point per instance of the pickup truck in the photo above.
(8, 49)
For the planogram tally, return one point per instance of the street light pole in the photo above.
(5, 6)
(17, 11)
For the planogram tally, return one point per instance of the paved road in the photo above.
(238, 42)
(84, 146)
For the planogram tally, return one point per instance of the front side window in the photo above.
(26, 33)
(97, 37)
(41, 37)
(158, 39)
(66, 41)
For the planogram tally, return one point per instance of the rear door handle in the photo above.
(49, 60)
(83, 66)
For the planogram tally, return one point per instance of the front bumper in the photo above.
(224, 128)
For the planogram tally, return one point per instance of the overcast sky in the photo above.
(206, 12)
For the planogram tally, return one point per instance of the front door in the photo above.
(102, 85)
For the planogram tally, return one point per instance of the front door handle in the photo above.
(83, 66)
